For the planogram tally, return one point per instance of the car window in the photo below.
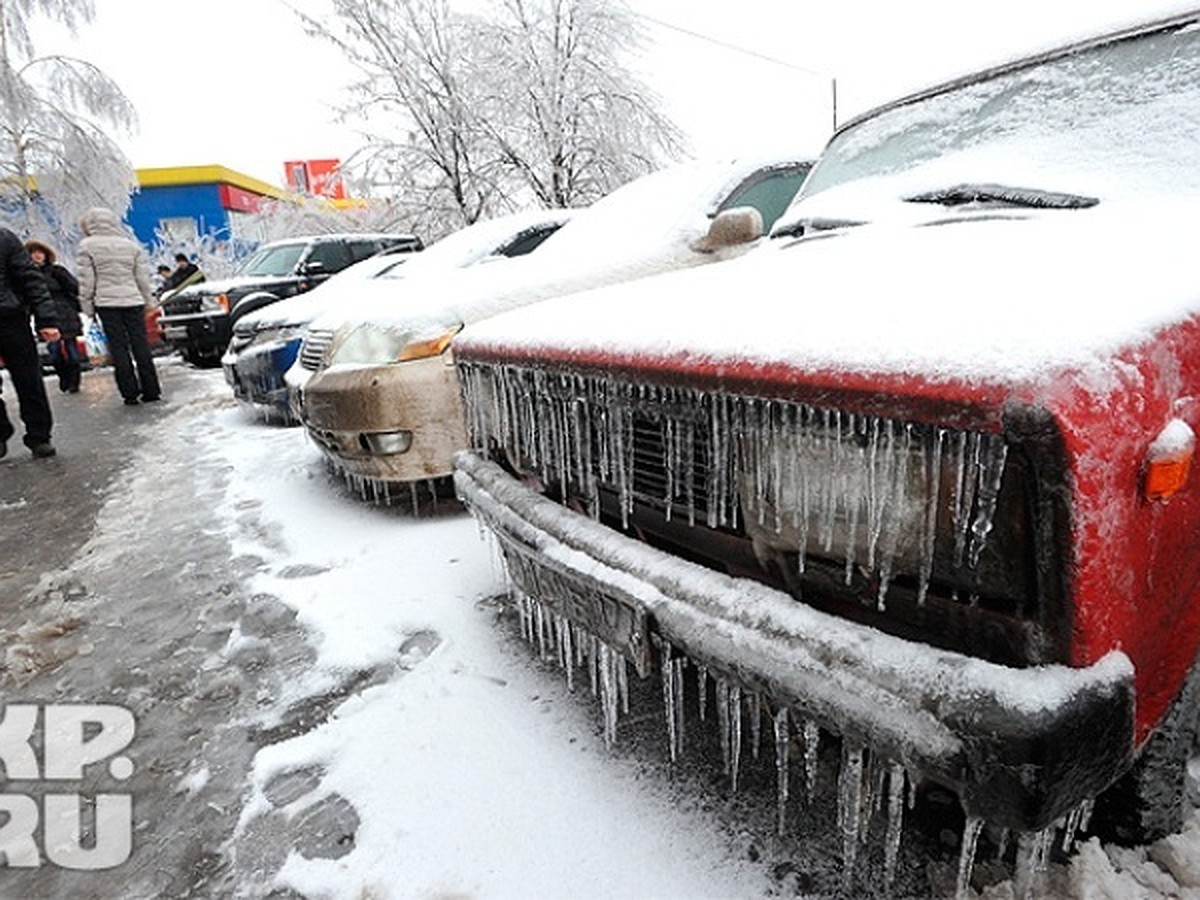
(527, 241)
(769, 192)
(276, 260)
(1037, 127)
(332, 254)
(362, 249)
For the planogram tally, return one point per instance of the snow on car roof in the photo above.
(643, 227)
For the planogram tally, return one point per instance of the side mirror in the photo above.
(731, 228)
(314, 267)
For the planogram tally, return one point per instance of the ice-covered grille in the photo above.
(312, 351)
(876, 495)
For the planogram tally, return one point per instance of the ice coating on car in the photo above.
(871, 688)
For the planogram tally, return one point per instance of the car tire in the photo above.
(1149, 801)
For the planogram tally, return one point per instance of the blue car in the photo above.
(266, 342)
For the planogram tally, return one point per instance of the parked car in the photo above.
(919, 476)
(266, 342)
(197, 320)
(377, 391)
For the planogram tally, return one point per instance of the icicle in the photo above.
(608, 693)
(1002, 843)
(849, 805)
(991, 474)
(966, 856)
(755, 723)
(702, 682)
(668, 684)
(933, 480)
(1085, 813)
(735, 733)
(895, 823)
(1032, 850)
(1070, 827)
(623, 683)
(672, 679)
(872, 791)
(968, 463)
(782, 742)
(722, 704)
(593, 665)
(567, 654)
(812, 737)
(677, 676)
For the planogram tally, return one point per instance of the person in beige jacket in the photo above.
(114, 283)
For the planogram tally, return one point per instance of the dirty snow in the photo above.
(474, 773)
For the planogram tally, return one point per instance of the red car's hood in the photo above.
(957, 316)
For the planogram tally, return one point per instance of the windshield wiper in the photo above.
(801, 227)
(1003, 193)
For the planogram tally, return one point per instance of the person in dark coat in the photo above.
(186, 273)
(64, 290)
(23, 293)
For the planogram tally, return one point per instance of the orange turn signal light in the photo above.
(1168, 462)
(223, 301)
(426, 348)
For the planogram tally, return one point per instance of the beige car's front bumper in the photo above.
(346, 410)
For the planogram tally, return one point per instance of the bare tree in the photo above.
(56, 159)
(419, 97)
(570, 118)
(471, 115)
(301, 216)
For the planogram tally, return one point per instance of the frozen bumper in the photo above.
(389, 423)
(1021, 747)
(256, 373)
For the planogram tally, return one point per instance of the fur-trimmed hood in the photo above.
(99, 220)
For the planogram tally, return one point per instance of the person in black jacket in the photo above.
(64, 290)
(23, 294)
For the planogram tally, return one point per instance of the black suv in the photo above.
(197, 321)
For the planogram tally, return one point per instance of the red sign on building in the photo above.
(316, 177)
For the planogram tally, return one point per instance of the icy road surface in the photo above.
(330, 701)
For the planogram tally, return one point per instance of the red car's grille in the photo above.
(921, 529)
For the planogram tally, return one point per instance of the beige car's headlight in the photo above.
(369, 344)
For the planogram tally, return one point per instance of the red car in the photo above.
(919, 477)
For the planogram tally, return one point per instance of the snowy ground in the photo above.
(446, 760)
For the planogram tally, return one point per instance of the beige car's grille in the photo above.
(312, 352)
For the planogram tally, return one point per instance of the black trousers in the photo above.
(67, 364)
(125, 330)
(19, 350)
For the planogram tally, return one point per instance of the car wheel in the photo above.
(1149, 801)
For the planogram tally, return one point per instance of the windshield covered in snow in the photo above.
(477, 242)
(273, 260)
(1107, 121)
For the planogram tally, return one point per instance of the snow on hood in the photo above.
(303, 308)
(977, 298)
(642, 228)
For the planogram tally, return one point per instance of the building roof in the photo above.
(174, 176)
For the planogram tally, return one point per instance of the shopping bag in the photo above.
(97, 344)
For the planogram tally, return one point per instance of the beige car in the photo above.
(376, 387)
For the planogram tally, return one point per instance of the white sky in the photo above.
(236, 82)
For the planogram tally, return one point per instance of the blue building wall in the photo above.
(201, 202)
